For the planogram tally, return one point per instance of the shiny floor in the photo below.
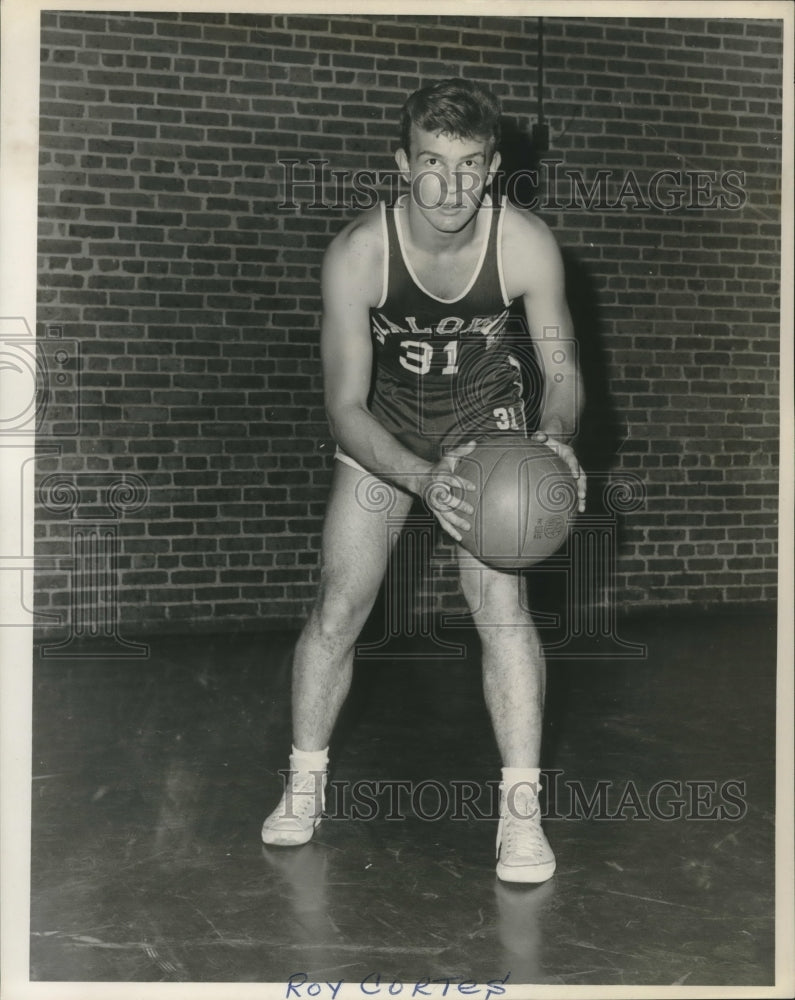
(152, 776)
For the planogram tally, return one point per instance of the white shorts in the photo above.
(341, 456)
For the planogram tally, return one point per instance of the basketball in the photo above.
(525, 503)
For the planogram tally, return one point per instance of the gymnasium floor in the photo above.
(152, 777)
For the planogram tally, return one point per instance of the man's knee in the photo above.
(339, 611)
(493, 594)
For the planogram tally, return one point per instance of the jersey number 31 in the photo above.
(417, 356)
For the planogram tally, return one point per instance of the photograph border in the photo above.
(19, 101)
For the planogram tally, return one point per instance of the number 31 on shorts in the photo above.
(507, 418)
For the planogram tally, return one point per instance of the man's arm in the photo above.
(351, 282)
(552, 331)
(534, 270)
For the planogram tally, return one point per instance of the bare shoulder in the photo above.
(522, 229)
(354, 260)
(530, 252)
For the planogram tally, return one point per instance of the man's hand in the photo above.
(566, 452)
(444, 492)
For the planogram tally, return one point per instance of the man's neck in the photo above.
(426, 238)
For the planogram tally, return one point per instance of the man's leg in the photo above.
(361, 523)
(514, 676)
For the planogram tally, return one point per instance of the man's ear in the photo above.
(402, 161)
(494, 166)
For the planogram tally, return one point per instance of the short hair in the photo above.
(457, 108)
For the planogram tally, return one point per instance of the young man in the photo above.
(423, 289)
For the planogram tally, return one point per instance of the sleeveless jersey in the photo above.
(443, 372)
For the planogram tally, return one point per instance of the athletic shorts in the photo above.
(431, 421)
(342, 456)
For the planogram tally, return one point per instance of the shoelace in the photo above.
(300, 800)
(520, 827)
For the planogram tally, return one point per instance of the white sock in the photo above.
(520, 788)
(309, 760)
(524, 777)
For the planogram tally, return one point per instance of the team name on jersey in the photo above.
(449, 326)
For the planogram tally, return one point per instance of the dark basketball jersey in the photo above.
(443, 370)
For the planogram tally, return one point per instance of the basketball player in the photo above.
(423, 289)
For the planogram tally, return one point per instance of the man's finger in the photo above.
(462, 449)
(450, 529)
(453, 522)
(582, 491)
(460, 481)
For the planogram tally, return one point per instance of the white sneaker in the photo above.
(523, 852)
(299, 811)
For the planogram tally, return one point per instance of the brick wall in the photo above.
(182, 268)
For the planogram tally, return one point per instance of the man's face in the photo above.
(447, 176)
